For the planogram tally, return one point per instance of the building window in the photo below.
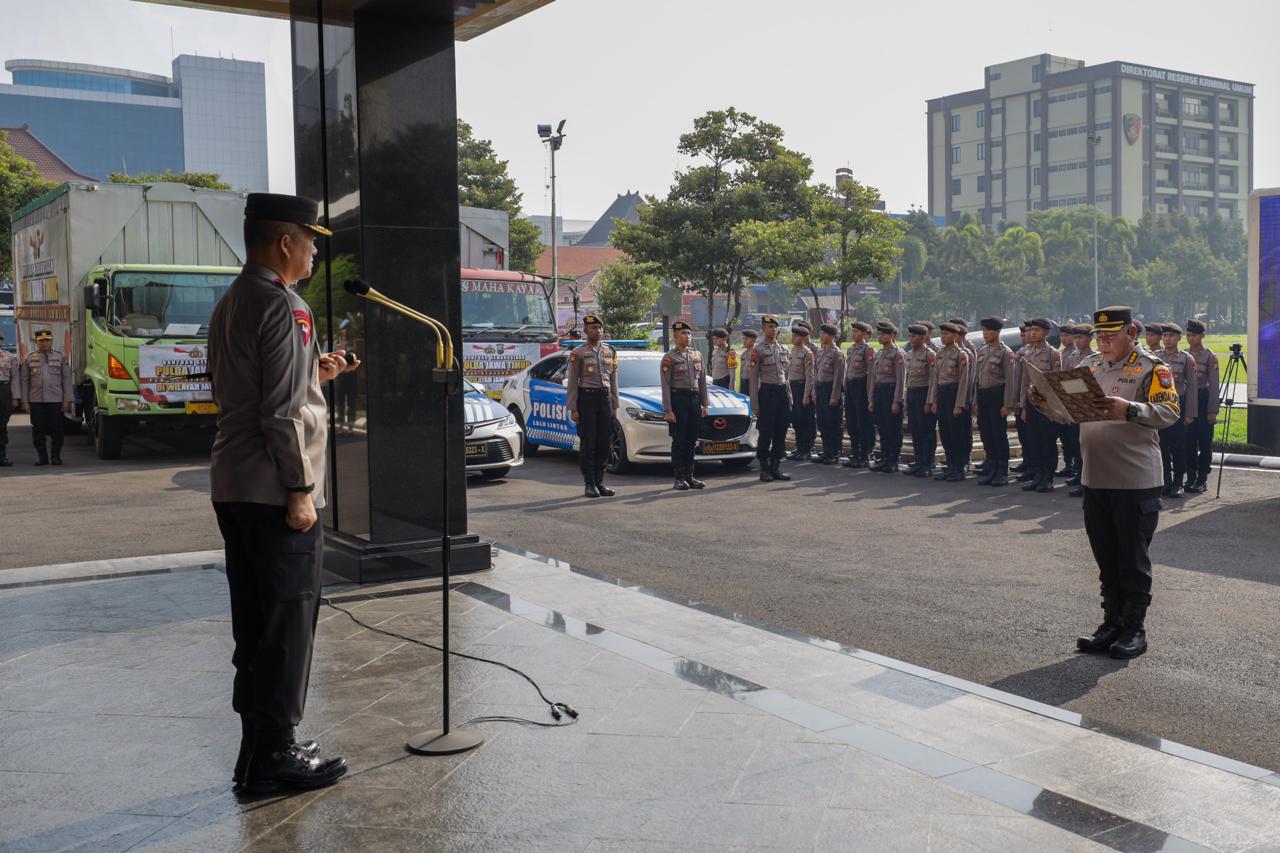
(1035, 73)
(982, 183)
(1035, 108)
(955, 186)
(1035, 176)
(982, 118)
(955, 124)
(982, 150)
(955, 154)
(1035, 142)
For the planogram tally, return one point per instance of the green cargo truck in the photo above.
(126, 277)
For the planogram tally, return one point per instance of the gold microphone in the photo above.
(444, 341)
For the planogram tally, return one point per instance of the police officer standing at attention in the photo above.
(800, 375)
(995, 388)
(267, 474)
(828, 377)
(857, 419)
(770, 399)
(1122, 478)
(744, 363)
(1173, 438)
(592, 386)
(949, 400)
(684, 403)
(920, 361)
(44, 387)
(1041, 456)
(8, 376)
(723, 358)
(888, 372)
(1200, 433)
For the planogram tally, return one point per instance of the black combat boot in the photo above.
(1002, 474)
(680, 485)
(604, 490)
(1107, 633)
(776, 471)
(1132, 640)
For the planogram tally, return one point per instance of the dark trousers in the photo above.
(46, 422)
(858, 422)
(888, 424)
(724, 381)
(1042, 438)
(993, 426)
(828, 421)
(772, 415)
(951, 426)
(1199, 439)
(923, 427)
(6, 407)
(684, 432)
(1120, 524)
(1173, 447)
(595, 432)
(1069, 435)
(273, 573)
(802, 418)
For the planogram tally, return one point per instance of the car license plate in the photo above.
(476, 450)
(720, 447)
(202, 408)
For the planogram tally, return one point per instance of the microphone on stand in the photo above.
(445, 741)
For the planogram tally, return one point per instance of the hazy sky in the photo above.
(846, 81)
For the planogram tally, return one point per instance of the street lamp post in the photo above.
(554, 141)
(1094, 140)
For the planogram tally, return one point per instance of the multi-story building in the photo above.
(1048, 132)
(210, 116)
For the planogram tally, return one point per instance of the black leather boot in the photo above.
(1132, 640)
(776, 471)
(604, 490)
(1107, 633)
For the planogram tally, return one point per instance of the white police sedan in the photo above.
(537, 397)
(494, 441)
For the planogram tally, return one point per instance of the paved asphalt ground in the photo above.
(989, 585)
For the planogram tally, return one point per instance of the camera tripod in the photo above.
(1236, 367)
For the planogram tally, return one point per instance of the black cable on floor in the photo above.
(555, 707)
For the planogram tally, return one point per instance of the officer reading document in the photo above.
(267, 476)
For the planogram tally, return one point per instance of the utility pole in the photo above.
(554, 141)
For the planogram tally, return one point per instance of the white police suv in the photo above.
(494, 441)
(537, 397)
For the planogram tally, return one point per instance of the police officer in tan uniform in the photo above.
(723, 359)
(1173, 438)
(1200, 433)
(267, 474)
(995, 391)
(770, 399)
(592, 386)
(684, 404)
(949, 400)
(44, 387)
(919, 365)
(8, 377)
(858, 421)
(828, 380)
(888, 372)
(1122, 477)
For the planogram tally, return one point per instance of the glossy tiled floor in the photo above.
(698, 731)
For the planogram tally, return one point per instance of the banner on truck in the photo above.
(165, 371)
(42, 292)
(489, 363)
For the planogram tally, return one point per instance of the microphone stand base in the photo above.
(436, 742)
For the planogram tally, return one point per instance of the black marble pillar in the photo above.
(375, 117)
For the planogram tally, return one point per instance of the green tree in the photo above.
(626, 293)
(483, 182)
(20, 184)
(199, 180)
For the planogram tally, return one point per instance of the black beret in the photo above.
(1195, 327)
(917, 329)
(719, 333)
(993, 323)
(1112, 319)
(951, 327)
(1041, 322)
(750, 333)
(591, 319)
(885, 327)
(829, 329)
(273, 207)
(681, 326)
